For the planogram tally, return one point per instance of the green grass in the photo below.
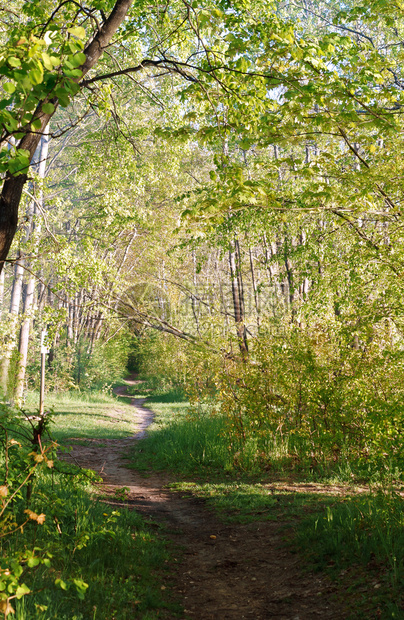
(174, 443)
(358, 538)
(93, 416)
(114, 551)
(360, 542)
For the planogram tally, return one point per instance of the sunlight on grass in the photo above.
(113, 551)
(94, 416)
(353, 534)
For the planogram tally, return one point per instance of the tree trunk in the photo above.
(195, 304)
(41, 157)
(2, 275)
(238, 300)
(255, 289)
(24, 340)
(13, 320)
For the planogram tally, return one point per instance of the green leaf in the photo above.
(9, 87)
(72, 88)
(62, 584)
(77, 31)
(48, 108)
(245, 144)
(81, 587)
(11, 123)
(13, 61)
(36, 124)
(22, 590)
(36, 76)
(72, 73)
(33, 562)
(78, 59)
(74, 45)
(63, 97)
(18, 166)
(242, 65)
(46, 59)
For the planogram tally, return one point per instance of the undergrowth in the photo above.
(64, 553)
(355, 534)
(198, 442)
(110, 554)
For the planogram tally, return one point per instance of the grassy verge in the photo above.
(87, 560)
(111, 556)
(354, 534)
(96, 415)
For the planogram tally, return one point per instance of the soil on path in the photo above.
(224, 571)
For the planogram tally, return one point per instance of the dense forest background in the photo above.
(226, 214)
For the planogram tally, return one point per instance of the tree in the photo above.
(40, 82)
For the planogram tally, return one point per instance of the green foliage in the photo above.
(74, 556)
(162, 359)
(103, 365)
(23, 455)
(311, 390)
(365, 532)
(83, 366)
(356, 536)
(36, 67)
(103, 559)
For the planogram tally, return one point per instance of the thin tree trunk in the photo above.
(195, 304)
(41, 157)
(2, 276)
(70, 318)
(238, 302)
(15, 301)
(255, 289)
(24, 340)
(17, 287)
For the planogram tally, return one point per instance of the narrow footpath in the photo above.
(223, 571)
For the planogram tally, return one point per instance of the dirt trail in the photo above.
(224, 571)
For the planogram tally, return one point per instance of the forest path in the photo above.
(224, 571)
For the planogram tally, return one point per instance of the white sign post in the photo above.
(44, 352)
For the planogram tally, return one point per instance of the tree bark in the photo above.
(255, 288)
(238, 301)
(24, 340)
(41, 157)
(13, 320)
(2, 275)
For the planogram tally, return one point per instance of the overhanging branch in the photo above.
(169, 65)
